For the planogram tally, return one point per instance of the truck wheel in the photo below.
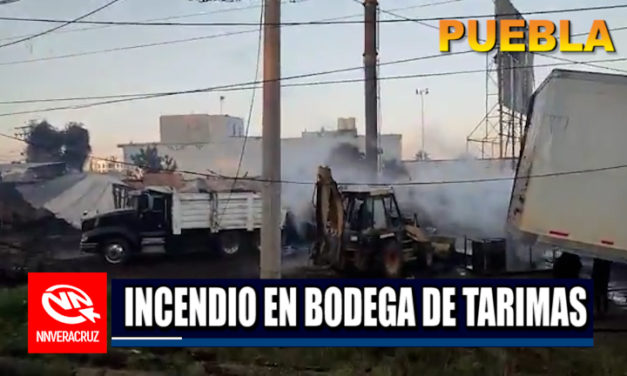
(115, 251)
(392, 260)
(230, 243)
(424, 254)
(255, 241)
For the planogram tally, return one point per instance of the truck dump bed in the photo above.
(239, 210)
(570, 187)
(194, 210)
(216, 211)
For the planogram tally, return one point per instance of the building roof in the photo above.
(10, 166)
(289, 139)
(24, 172)
(73, 196)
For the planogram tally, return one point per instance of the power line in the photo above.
(441, 74)
(125, 48)
(253, 85)
(224, 35)
(399, 16)
(581, 62)
(327, 72)
(306, 23)
(536, 53)
(63, 24)
(588, 64)
(183, 40)
(250, 111)
(218, 11)
(398, 184)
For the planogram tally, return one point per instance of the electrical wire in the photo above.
(253, 85)
(306, 23)
(320, 73)
(400, 16)
(391, 13)
(587, 64)
(125, 48)
(63, 24)
(183, 40)
(375, 184)
(218, 11)
(24, 101)
(250, 112)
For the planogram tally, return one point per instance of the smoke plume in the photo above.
(476, 209)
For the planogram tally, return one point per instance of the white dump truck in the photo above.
(160, 220)
(571, 180)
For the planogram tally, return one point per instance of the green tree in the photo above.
(45, 143)
(76, 148)
(149, 161)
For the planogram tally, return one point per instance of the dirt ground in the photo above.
(606, 358)
(194, 265)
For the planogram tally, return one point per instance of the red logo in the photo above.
(67, 313)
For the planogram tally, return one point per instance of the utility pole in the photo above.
(24, 131)
(370, 70)
(422, 93)
(270, 262)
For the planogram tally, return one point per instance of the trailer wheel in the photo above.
(115, 251)
(230, 243)
(392, 260)
(567, 266)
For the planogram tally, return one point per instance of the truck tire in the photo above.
(391, 260)
(115, 251)
(424, 256)
(255, 242)
(230, 243)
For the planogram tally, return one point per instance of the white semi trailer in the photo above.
(571, 180)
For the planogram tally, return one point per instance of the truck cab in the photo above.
(153, 212)
(118, 233)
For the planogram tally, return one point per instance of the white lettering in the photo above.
(270, 306)
(248, 300)
(448, 307)
(163, 316)
(353, 307)
(406, 311)
(580, 316)
(313, 311)
(431, 302)
(143, 306)
(471, 294)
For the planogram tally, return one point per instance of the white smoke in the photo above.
(476, 210)
(473, 209)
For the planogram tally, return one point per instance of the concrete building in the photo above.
(201, 128)
(213, 143)
(101, 166)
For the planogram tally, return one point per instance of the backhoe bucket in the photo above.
(329, 220)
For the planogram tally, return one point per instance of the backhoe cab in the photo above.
(362, 229)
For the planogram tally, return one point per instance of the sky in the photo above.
(454, 106)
